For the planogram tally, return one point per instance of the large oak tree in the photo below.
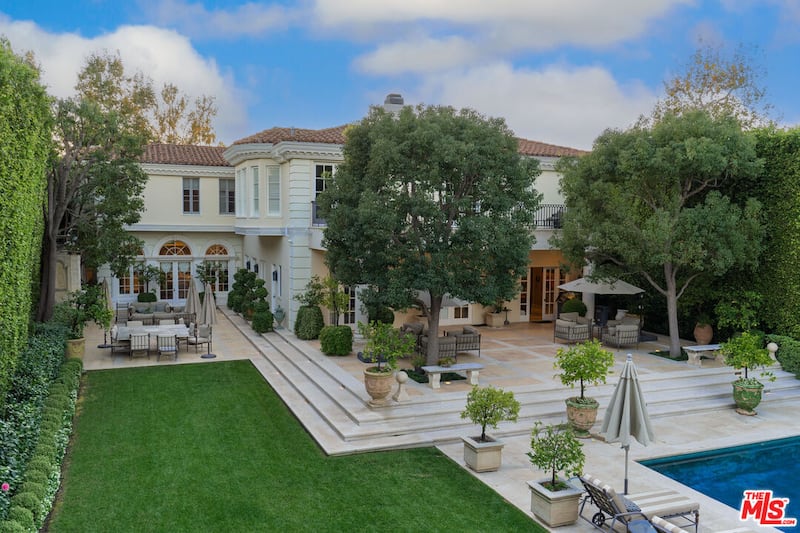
(646, 201)
(435, 200)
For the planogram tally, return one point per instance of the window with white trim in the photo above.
(322, 174)
(191, 195)
(254, 178)
(227, 197)
(461, 311)
(273, 190)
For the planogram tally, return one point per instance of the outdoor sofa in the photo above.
(152, 312)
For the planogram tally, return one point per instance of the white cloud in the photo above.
(162, 55)
(557, 105)
(419, 56)
(250, 19)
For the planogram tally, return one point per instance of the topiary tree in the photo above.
(556, 449)
(586, 363)
(574, 305)
(309, 322)
(336, 340)
(488, 406)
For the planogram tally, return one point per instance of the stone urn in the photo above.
(582, 415)
(703, 333)
(76, 347)
(378, 385)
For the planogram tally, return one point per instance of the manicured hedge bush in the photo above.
(309, 322)
(262, 321)
(788, 353)
(147, 297)
(336, 340)
(25, 141)
(574, 305)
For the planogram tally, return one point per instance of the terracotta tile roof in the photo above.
(534, 148)
(178, 154)
(276, 135)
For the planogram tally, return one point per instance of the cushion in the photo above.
(622, 328)
(564, 323)
(140, 307)
(162, 307)
(469, 330)
(572, 317)
(612, 330)
(620, 314)
(583, 320)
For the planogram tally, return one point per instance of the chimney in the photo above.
(393, 103)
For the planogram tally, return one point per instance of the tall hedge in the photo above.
(25, 141)
(779, 192)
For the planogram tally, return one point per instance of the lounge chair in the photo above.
(639, 513)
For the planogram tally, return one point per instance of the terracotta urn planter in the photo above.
(703, 333)
(483, 456)
(555, 509)
(582, 416)
(378, 385)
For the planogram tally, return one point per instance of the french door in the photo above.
(177, 275)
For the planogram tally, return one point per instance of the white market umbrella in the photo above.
(208, 311)
(192, 299)
(600, 287)
(626, 417)
(106, 288)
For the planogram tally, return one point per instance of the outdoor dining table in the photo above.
(181, 331)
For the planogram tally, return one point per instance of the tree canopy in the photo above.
(431, 199)
(645, 201)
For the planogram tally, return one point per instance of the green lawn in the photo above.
(211, 447)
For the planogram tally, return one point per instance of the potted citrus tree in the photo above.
(746, 352)
(385, 345)
(585, 363)
(555, 450)
(80, 307)
(487, 406)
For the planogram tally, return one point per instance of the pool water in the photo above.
(724, 474)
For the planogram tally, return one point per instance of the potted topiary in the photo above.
(555, 450)
(494, 317)
(745, 351)
(574, 305)
(385, 345)
(586, 363)
(487, 406)
(80, 307)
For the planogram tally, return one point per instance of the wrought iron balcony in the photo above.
(548, 216)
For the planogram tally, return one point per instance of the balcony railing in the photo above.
(548, 216)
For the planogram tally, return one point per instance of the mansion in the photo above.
(252, 205)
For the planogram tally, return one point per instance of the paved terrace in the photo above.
(691, 408)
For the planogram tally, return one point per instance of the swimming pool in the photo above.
(724, 474)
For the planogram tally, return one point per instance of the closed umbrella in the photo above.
(192, 299)
(626, 417)
(107, 301)
(615, 286)
(208, 311)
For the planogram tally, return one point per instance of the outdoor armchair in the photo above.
(140, 344)
(624, 334)
(467, 339)
(167, 346)
(202, 335)
(570, 331)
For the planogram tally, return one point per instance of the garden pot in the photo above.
(378, 385)
(703, 333)
(76, 348)
(483, 456)
(747, 397)
(581, 416)
(494, 320)
(555, 509)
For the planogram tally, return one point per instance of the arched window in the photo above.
(175, 248)
(217, 249)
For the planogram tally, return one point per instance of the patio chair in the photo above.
(140, 343)
(570, 331)
(202, 335)
(167, 346)
(117, 345)
(622, 335)
(643, 513)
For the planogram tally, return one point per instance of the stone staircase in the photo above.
(332, 404)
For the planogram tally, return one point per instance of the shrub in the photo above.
(574, 305)
(788, 353)
(28, 501)
(147, 297)
(380, 313)
(586, 363)
(336, 340)
(15, 525)
(262, 321)
(22, 516)
(489, 406)
(556, 450)
(309, 322)
(235, 301)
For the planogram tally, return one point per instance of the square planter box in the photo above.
(483, 456)
(554, 508)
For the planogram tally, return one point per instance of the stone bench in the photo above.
(694, 352)
(435, 372)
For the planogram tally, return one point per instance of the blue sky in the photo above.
(558, 71)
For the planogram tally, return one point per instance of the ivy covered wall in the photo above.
(25, 141)
(779, 191)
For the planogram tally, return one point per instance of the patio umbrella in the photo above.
(107, 300)
(192, 299)
(616, 286)
(208, 311)
(626, 417)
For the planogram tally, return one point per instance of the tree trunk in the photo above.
(433, 330)
(672, 312)
(47, 281)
